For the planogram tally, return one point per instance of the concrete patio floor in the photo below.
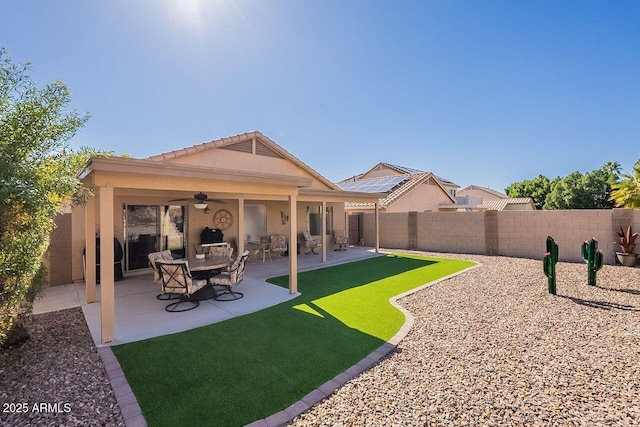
(139, 315)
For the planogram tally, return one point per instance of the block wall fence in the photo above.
(507, 233)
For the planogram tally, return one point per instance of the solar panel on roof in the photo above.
(439, 178)
(378, 185)
(406, 169)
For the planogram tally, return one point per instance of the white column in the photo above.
(293, 244)
(324, 231)
(240, 225)
(107, 298)
(90, 249)
(377, 215)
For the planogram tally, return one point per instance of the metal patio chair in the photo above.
(177, 280)
(230, 279)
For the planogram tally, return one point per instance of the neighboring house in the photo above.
(484, 192)
(404, 189)
(253, 188)
(477, 198)
(510, 204)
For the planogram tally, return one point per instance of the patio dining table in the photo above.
(208, 267)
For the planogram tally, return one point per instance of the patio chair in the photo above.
(221, 252)
(265, 248)
(341, 240)
(311, 243)
(278, 244)
(231, 278)
(177, 280)
(154, 257)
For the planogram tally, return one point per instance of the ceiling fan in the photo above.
(199, 200)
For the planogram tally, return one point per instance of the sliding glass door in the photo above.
(148, 229)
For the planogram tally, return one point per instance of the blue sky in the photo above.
(479, 92)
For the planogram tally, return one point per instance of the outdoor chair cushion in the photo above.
(221, 252)
(176, 277)
(155, 257)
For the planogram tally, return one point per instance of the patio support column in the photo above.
(324, 231)
(90, 249)
(240, 225)
(346, 226)
(293, 244)
(377, 216)
(107, 300)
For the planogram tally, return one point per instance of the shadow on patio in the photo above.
(139, 315)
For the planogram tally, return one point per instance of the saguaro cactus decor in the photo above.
(594, 259)
(549, 262)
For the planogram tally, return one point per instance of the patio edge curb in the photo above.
(328, 388)
(127, 401)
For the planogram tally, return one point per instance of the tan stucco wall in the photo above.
(228, 159)
(449, 188)
(422, 198)
(196, 221)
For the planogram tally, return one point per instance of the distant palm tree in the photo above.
(626, 193)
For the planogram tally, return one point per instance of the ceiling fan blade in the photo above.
(216, 201)
(180, 200)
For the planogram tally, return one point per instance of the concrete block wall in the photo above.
(60, 252)
(461, 232)
(394, 230)
(508, 233)
(523, 233)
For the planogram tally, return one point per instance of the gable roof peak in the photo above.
(496, 193)
(242, 138)
(402, 169)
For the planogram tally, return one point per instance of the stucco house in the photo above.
(252, 186)
(477, 198)
(405, 189)
(484, 192)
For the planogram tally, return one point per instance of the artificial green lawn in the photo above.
(247, 368)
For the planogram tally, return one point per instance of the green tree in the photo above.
(38, 173)
(626, 193)
(591, 190)
(536, 188)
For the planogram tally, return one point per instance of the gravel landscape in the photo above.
(492, 347)
(56, 378)
(488, 347)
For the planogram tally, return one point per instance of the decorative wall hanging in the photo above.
(222, 219)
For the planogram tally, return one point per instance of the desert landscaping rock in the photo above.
(58, 374)
(489, 347)
(492, 347)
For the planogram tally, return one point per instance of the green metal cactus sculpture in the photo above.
(594, 259)
(549, 262)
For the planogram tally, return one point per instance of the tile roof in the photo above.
(402, 169)
(397, 192)
(487, 189)
(501, 204)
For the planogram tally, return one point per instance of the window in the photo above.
(255, 222)
(314, 220)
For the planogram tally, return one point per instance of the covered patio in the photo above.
(139, 315)
(259, 188)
